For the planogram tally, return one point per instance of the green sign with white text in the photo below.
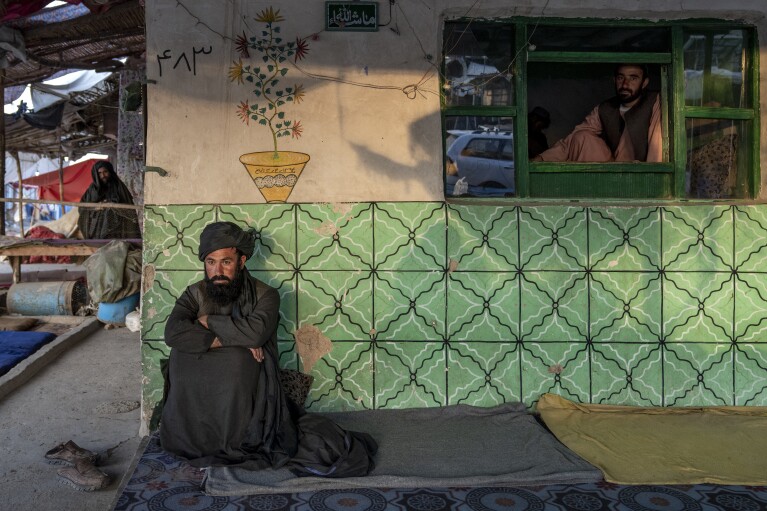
(352, 16)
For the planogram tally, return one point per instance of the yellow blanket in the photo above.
(637, 445)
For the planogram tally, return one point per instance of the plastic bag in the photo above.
(114, 272)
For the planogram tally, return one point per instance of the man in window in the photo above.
(625, 127)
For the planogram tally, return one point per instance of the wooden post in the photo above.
(61, 165)
(21, 193)
(2, 152)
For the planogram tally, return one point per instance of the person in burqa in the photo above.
(224, 404)
(107, 223)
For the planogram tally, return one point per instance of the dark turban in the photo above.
(220, 235)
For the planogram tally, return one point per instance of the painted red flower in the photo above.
(296, 129)
(243, 112)
(302, 48)
(241, 45)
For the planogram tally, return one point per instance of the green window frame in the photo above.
(669, 179)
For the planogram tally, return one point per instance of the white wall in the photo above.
(367, 139)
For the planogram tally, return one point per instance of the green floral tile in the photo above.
(559, 368)
(288, 356)
(172, 235)
(698, 307)
(483, 306)
(153, 355)
(751, 307)
(698, 374)
(409, 374)
(483, 238)
(285, 284)
(554, 306)
(275, 233)
(626, 374)
(335, 236)
(409, 236)
(750, 238)
(343, 379)
(337, 302)
(158, 301)
(483, 373)
(625, 306)
(624, 239)
(697, 238)
(410, 305)
(751, 374)
(553, 238)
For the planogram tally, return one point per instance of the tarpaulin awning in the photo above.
(76, 180)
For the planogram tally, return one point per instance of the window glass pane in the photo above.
(569, 95)
(480, 162)
(478, 61)
(714, 69)
(559, 38)
(717, 156)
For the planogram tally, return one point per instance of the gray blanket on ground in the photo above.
(457, 445)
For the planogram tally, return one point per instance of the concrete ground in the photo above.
(88, 391)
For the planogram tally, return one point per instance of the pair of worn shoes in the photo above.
(81, 472)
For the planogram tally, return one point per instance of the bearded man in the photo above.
(102, 224)
(624, 128)
(224, 404)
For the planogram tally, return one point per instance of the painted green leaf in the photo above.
(283, 71)
(262, 121)
(281, 115)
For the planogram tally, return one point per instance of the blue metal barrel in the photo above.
(47, 298)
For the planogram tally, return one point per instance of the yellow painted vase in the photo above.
(275, 177)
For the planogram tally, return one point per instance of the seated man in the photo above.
(224, 404)
(626, 127)
(107, 223)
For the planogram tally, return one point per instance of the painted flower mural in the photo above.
(274, 172)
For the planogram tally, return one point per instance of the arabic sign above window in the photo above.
(356, 16)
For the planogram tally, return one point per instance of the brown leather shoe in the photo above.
(68, 453)
(84, 476)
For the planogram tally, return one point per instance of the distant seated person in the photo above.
(107, 223)
(537, 120)
(624, 128)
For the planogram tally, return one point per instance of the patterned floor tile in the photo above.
(751, 307)
(409, 236)
(153, 356)
(412, 374)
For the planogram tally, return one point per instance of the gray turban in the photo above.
(220, 235)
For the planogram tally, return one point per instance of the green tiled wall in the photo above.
(429, 304)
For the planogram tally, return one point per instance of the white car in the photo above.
(485, 159)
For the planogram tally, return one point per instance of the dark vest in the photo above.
(636, 120)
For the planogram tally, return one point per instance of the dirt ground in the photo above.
(89, 394)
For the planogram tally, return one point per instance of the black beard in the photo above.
(224, 294)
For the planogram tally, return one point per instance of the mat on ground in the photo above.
(450, 446)
(663, 445)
